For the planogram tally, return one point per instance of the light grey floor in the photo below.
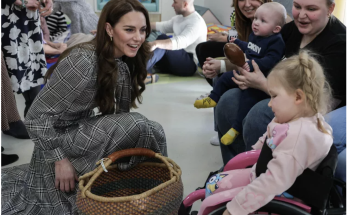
(188, 130)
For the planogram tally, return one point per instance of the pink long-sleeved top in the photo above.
(296, 146)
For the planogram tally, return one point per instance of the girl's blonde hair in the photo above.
(303, 72)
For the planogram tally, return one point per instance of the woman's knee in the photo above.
(256, 121)
(337, 120)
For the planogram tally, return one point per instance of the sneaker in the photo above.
(215, 141)
(151, 78)
(203, 96)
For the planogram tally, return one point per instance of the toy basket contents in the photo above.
(148, 188)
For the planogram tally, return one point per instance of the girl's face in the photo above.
(283, 103)
(128, 34)
(311, 16)
(248, 7)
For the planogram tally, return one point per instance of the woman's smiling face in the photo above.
(248, 7)
(128, 34)
(311, 16)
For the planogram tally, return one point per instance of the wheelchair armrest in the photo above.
(194, 196)
(243, 160)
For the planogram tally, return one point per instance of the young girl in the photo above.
(298, 136)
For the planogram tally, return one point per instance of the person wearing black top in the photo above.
(330, 45)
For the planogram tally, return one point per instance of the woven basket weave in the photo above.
(148, 188)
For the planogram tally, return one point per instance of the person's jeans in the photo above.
(225, 113)
(337, 120)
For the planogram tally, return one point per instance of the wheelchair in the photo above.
(319, 190)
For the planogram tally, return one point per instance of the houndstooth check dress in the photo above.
(62, 125)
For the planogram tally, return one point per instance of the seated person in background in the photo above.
(56, 25)
(49, 47)
(82, 16)
(266, 47)
(177, 55)
(298, 137)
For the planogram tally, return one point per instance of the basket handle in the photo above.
(131, 152)
(115, 156)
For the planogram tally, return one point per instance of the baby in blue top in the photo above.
(266, 47)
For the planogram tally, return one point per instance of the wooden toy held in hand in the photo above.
(234, 54)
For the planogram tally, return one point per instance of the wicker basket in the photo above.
(148, 188)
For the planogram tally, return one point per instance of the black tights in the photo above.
(29, 97)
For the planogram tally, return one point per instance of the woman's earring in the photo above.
(111, 38)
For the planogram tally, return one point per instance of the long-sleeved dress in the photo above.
(62, 125)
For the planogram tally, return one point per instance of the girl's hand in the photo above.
(65, 175)
(254, 79)
(211, 68)
(217, 36)
(48, 9)
(32, 5)
(226, 212)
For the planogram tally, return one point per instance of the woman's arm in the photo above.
(217, 36)
(54, 50)
(67, 82)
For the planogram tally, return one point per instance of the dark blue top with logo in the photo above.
(266, 51)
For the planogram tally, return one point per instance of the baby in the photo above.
(266, 47)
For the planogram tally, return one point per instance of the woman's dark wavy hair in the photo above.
(107, 67)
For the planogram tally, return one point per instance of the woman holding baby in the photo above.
(314, 28)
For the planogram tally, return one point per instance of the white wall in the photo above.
(221, 9)
(167, 10)
(91, 2)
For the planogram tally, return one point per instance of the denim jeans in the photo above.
(337, 120)
(225, 113)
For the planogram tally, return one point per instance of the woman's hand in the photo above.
(153, 46)
(48, 9)
(18, 2)
(32, 5)
(65, 175)
(211, 67)
(217, 36)
(226, 212)
(254, 79)
(61, 47)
